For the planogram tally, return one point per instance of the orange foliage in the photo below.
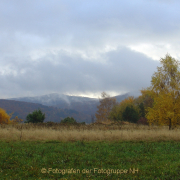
(4, 117)
(129, 100)
(16, 120)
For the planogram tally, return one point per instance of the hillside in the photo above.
(83, 105)
(55, 106)
(22, 109)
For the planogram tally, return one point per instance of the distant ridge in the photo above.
(54, 99)
(60, 106)
(81, 104)
(54, 114)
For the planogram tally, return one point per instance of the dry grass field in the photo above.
(106, 131)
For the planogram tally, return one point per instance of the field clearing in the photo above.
(89, 152)
(55, 160)
(93, 132)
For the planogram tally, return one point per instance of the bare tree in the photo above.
(105, 107)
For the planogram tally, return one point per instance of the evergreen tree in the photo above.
(35, 117)
(130, 114)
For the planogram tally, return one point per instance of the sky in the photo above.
(83, 48)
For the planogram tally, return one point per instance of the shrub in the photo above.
(69, 120)
(16, 120)
(83, 123)
(50, 124)
(143, 121)
(35, 117)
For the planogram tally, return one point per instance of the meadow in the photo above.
(95, 151)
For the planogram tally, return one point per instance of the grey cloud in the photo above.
(83, 21)
(62, 46)
(124, 70)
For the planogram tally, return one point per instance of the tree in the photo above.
(142, 110)
(130, 114)
(146, 99)
(143, 102)
(35, 117)
(69, 120)
(164, 90)
(105, 107)
(117, 111)
(4, 117)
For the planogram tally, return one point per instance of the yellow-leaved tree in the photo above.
(146, 99)
(105, 106)
(4, 117)
(165, 92)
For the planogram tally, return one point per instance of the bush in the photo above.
(83, 123)
(143, 121)
(50, 124)
(69, 120)
(35, 117)
(16, 120)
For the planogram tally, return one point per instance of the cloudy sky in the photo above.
(84, 47)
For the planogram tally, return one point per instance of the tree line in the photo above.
(35, 117)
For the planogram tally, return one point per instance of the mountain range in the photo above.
(55, 106)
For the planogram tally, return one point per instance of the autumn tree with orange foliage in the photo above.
(165, 92)
(5, 118)
(105, 107)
